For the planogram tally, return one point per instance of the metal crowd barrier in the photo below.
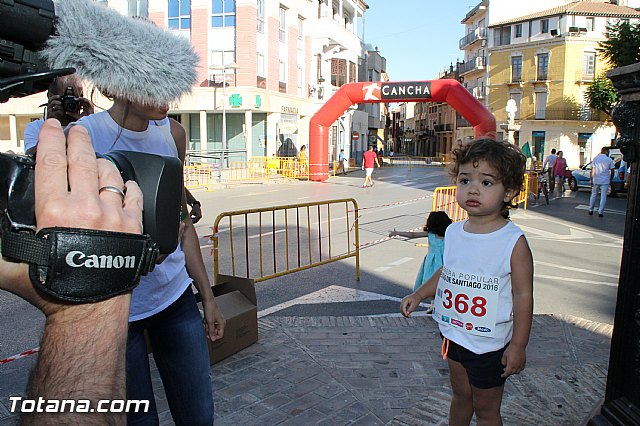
(411, 162)
(286, 167)
(273, 241)
(200, 176)
(267, 168)
(444, 199)
(204, 175)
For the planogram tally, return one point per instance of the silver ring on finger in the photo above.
(113, 189)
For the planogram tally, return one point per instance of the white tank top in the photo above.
(474, 303)
(169, 279)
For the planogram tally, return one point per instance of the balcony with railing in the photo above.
(473, 64)
(479, 92)
(443, 127)
(475, 35)
(569, 114)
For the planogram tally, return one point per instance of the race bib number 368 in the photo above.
(467, 301)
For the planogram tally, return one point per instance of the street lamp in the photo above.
(224, 68)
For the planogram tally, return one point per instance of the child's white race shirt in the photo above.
(474, 303)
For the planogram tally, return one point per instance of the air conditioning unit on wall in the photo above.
(554, 32)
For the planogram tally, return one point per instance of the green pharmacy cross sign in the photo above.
(235, 100)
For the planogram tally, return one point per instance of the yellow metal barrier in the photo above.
(199, 176)
(444, 199)
(281, 167)
(274, 241)
(413, 161)
(523, 196)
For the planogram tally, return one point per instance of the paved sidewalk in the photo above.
(388, 370)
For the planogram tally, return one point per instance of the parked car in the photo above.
(581, 178)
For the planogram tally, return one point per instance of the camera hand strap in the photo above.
(81, 265)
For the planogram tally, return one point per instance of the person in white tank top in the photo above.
(484, 291)
(163, 304)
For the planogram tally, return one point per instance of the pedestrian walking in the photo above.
(484, 291)
(369, 161)
(559, 171)
(548, 165)
(342, 163)
(601, 172)
(437, 223)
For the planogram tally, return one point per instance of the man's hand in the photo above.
(66, 195)
(82, 353)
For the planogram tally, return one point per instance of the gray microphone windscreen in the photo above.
(124, 57)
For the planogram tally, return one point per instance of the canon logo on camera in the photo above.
(77, 259)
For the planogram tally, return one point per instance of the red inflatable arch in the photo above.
(449, 91)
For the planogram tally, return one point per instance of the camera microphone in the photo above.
(123, 57)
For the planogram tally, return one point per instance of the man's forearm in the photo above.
(82, 357)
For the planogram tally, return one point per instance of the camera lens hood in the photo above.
(160, 179)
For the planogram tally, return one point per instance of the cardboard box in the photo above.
(236, 298)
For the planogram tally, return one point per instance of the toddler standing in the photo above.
(484, 291)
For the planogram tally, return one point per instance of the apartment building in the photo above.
(266, 66)
(475, 44)
(373, 68)
(477, 41)
(544, 62)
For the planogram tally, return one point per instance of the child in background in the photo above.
(484, 291)
(437, 223)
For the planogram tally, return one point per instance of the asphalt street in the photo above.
(577, 256)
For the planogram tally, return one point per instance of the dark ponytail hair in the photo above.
(437, 222)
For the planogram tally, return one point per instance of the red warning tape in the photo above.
(397, 203)
(20, 355)
(382, 240)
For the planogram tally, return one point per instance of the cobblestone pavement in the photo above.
(388, 370)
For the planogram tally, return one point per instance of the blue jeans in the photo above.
(181, 354)
(594, 195)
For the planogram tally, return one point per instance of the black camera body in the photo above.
(159, 178)
(70, 103)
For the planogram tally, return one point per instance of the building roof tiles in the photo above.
(583, 8)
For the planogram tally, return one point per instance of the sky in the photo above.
(418, 38)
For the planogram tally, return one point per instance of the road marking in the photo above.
(392, 264)
(401, 261)
(266, 233)
(557, 221)
(589, 243)
(424, 185)
(575, 280)
(573, 233)
(569, 268)
(585, 207)
(332, 294)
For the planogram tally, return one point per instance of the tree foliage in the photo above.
(622, 44)
(601, 95)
